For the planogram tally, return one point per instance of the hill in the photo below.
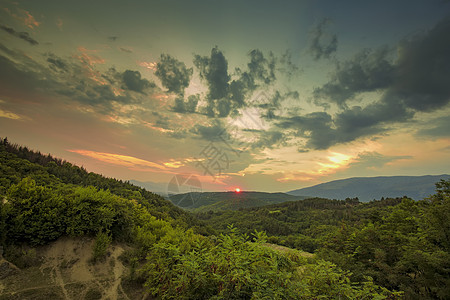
(370, 188)
(218, 201)
(66, 233)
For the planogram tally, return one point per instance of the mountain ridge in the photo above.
(370, 188)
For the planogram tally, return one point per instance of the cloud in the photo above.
(173, 74)
(315, 127)
(261, 68)
(56, 63)
(439, 127)
(24, 16)
(416, 82)
(126, 50)
(357, 122)
(322, 131)
(423, 69)
(19, 72)
(215, 132)
(368, 71)
(104, 92)
(214, 69)
(226, 95)
(287, 66)
(112, 38)
(21, 35)
(148, 65)
(118, 159)
(189, 106)
(269, 139)
(419, 78)
(9, 115)
(132, 81)
(322, 44)
(88, 57)
(372, 160)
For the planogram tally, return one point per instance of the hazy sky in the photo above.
(264, 95)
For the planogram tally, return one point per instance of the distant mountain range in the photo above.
(217, 201)
(369, 188)
(365, 188)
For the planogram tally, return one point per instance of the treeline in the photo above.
(40, 203)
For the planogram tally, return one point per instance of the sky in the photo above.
(261, 95)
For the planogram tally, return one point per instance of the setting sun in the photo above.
(237, 190)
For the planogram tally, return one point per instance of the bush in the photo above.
(101, 244)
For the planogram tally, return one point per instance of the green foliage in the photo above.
(101, 244)
(183, 266)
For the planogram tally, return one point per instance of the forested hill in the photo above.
(371, 188)
(219, 201)
(18, 162)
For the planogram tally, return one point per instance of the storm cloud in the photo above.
(418, 81)
(368, 71)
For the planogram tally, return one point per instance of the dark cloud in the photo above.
(132, 81)
(56, 63)
(261, 68)
(21, 35)
(22, 77)
(367, 71)
(125, 50)
(323, 131)
(215, 132)
(173, 74)
(287, 66)
(222, 96)
(316, 127)
(188, 106)
(269, 139)
(112, 38)
(358, 122)
(272, 104)
(322, 44)
(418, 81)
(419, 78)
(225, 96)
(423, 69)
(214, 69)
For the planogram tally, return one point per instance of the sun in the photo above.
(237, 190)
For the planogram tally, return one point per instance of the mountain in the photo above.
(369, 188)
(217, 201)
(155, 187)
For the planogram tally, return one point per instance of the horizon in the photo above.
(258, 96)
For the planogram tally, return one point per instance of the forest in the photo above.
(332, 249)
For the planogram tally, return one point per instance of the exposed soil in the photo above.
(67, 272)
